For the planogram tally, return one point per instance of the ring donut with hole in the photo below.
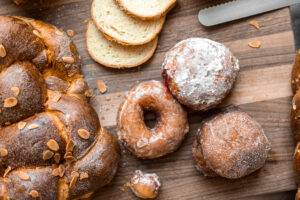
(171, 124)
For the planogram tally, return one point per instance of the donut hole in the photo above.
(150, 119)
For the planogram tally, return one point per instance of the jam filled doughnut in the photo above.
(171, 125)
(230, 144)
(145, 185)
(200, 72)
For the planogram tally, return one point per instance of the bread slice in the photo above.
(112, 54)
(147, 9)
(121, 27)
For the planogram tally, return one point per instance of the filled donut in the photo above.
(171, 125)
(145, 185)
(230, 144)
(200, 72)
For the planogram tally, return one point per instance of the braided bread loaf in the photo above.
(295, 117)
(51, 142)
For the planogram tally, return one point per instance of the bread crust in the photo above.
(118, 66)
(52, 145)
(156, 16)
(119, 40)
(296, 74)
(295, 117)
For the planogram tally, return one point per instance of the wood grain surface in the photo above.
(262, 89)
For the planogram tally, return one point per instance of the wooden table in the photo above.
(262, 89)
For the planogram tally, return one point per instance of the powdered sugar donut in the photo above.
(230, 144)
(171, 125)
(145, 185)
(200, 72)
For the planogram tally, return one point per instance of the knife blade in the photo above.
(238, 9)
(295, 15)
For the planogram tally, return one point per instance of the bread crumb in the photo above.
(125, 186)
(254, 44)
(107, 99)
(102, 118)
(255, 24)
(101, 86)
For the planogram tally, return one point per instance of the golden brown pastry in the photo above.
(295, 117)
(230, 144)
(171, 125)
(144, 185)
(51, 143)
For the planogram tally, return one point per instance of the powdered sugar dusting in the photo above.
(145, 185)
(233, 144)
(200, 72)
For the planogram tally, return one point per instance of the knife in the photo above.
(238, 9)
(295, 15)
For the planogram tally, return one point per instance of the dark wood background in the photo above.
(262, 90)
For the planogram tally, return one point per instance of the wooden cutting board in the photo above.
(262, 89)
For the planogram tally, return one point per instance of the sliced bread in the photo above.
(112, 54)
(147, 9)
(121, 27)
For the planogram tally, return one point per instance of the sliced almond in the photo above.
(47, 155)
(2, 51)
(59, 32)
(84, 134)
(21, 125)
(70, 146)
(33, 126)
(35, 32)
(101, 86)
(62, 170)
(10, 102)
(67, 154)
(55, 172)
(34, 194)
(254, 44)
(70, 33)
(68, 60)
(7, 123)
(3, 152)
(83, 175)
(254, 23)
(6, 180)
(53, 145)
(70, 159)
(74, 180)
(7, 170)
(16, 90)
(89, 93)
(57, 98)
(23, 176)
(57, 157)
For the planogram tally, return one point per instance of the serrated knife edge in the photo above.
(238, 9)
